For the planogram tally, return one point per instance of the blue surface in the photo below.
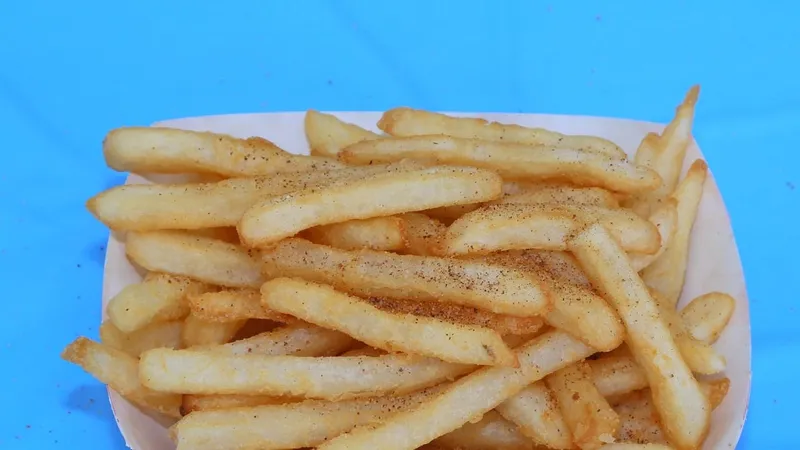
(70, 71)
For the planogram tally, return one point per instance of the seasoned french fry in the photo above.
(203, 259)
(377, 233)
(422, 233)
(560, 265)
(535, 411)
(297, 340)
(379, 274)
(617, 375)
(665, 219)
(227, 234)
(169, 150)
(551, 193)
(380, 195)
(232, 305)
(192, 403)
(197, 331)
(647, 152)
(448, 214)
(634, 446)
(155, 335)
(411, 122)
(327, 134)
(706, 316)
(492, 432)
(514, 161)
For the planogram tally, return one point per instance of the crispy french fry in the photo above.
(667, 274)
(466, 399)
(203, 259)
(378, 274)
(232, 305)
(322, 305)
(647, 152)
(169, 150)
(155, 335)
(327, 134)
(492, 432)
(665, 219)
(380, 195)
(197, 331)
(551, 193)
(297, 340)
(535, 411)
(422, 233)
(448, 214)
(159, 297)
(680, 402)
(377, 233)
(227, 234)
(543, 226)
(706, 316)
(514, 161)
(617, 375)
(561, 265)
(192, 403)
(119, 371)
(364, 351)
(411, 122)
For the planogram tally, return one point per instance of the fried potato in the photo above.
(159, 297)
(558, 194)
(617, 375)
(377, 233)
(322, 305)
(680, 402)
(380, 195)
(667, 274)
(227, 234)
(192, 403)
(155, 335)
(411, 122)
(378, 274)
(169, 150)
(119, 371)
(448, 214)
(513, 161)
(422, 233)
(706, 316)
(543, 226)
(586, 412)
(232, 305)
(492, 432)
(364, 351)
(466, 399)
(634, 446)
(665, 219)
(647, 152)
(203, 259)
(561, 265)
(327, 135)
(535, 411)
(197, 331)
(148, 207)
(297, 340)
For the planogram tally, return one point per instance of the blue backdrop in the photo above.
(71, 70)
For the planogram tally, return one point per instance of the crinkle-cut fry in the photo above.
(369, 273)
(170, 150)
(299, 339)
(617, 375)
(211, 372)
(513, 161)
(379, 195)
(159, 297)
(422, 233)
(292, 425)
(197, 331)
(233, 304)
(706, 316)
(321, 305)
(535, 411)
(665, 219)
(327, 134)
(468, 398)
(377, 233)
(553, 193)
(190, 206)
(193, 403)
(492, 432)
(155, 335)
(120, 372)
(586, 412)
(414, 122)
(667, 274)
(448, 214)
(200, 258)
(517, 226)
(677, 396)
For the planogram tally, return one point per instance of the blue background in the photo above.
(71, 70)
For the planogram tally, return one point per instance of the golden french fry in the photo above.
(119, 371)
(197, 331)
(492, 432)
(422, 233)
(514, 161)
(706, 316)
(192, 403)
(327, 134)
(634, 446)
(543, 226)
(379, 274)
(448, 214)
(364, 351)
(665, 219)
(560, 265)
(377, 233)
(617, 375)
(227, 234)
(297, 340)
(200, 258)
(232, 305)
(159, 297)
(322, 305)
(466, 399)
(551, 193)
(667, 274)
(169, 150)
(680, 402)
(155, 335)
(411, 122)
(379, 195)
(647, 152)
(535, 411)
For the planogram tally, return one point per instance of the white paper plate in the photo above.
(714, 261)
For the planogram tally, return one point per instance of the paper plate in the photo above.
(714, 260)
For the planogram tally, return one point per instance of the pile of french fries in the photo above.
(451, 283)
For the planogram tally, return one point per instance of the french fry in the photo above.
(680, 402)
(586, 412)
(380, 195)
(364, 351)
(378, 274)
(665, 219)
(647, 152)
(322, 305)
(232, 305)
(155, 335)
(327, 134)
(197, 331)
(192, 403)
(667, 274)
(544, 227)
(297, 340)
(448, 214)
(551, 193)
(706, 316)
(119, 371)
(617, 375)
(535, 411)
(203, 259)
(513, 161)
(422, 233)
(634, 446)
(492, 432)
(377, 233)
(159, 297)
(227, 234)
(411, 122)
(466, 399)
(561, 265)
(169, 150)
